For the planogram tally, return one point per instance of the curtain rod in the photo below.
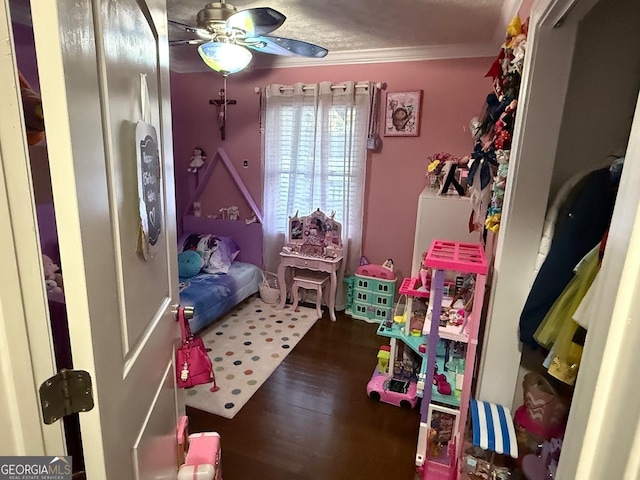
(379, 85)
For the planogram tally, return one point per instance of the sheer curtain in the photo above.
(315, 157)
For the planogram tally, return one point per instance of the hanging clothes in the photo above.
(559, 318)
(583, 228)
(563, 361)
(558, 212)
(581, 316)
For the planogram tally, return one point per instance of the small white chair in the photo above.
(310, 281)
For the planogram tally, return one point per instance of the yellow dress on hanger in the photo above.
(559, 317)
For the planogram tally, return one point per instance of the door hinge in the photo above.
(65, 393)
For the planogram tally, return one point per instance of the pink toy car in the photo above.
(402, 393)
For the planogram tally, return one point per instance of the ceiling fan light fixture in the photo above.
(226, 58)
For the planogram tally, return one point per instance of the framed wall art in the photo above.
(402, 114)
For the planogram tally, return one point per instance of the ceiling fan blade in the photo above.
(192, 41)
(256, 21)
(286, 46)
(183, 26)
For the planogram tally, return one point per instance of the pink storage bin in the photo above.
(204, 471)
(203, 458)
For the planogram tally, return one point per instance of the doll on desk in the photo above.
(314, 235)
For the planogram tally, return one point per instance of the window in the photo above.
(315, 157)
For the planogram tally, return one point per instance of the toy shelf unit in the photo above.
(372, 298)
(442, 424)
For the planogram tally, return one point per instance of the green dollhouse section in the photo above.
(369, 298)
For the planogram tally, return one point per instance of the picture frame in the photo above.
(443, 427)
(402, 114)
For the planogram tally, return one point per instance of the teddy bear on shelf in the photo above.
(197, 160)
(51, 275)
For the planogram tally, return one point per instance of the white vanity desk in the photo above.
(314, 243)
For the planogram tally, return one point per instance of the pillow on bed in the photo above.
(217, 252)
(189, 263)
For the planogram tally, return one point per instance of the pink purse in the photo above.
(193, 365)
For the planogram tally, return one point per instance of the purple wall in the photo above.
(454, 92)
(26, 54)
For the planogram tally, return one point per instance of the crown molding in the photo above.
(358, 57)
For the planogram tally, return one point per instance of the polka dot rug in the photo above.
(246, 346)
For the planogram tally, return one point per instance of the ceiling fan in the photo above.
(225, 34)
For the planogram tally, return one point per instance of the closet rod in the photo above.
(379, 85)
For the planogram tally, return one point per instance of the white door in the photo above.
(91, 57)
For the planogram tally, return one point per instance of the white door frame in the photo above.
(605, 412)
(26, 348)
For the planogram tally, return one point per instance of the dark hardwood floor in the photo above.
(312, 419)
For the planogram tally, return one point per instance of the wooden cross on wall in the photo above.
(221, 105)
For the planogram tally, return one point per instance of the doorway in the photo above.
(581, 90)
(45, 210)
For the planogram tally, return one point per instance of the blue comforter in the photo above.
(213, 295)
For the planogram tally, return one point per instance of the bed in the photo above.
(214, 294)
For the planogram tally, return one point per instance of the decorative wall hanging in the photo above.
(149, 169)
(221, 104)
(402, 114)
(489, 161)
(149, 189)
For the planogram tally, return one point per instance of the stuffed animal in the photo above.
(230, 213)
(51, 275)
(197, 160)
(33, 115)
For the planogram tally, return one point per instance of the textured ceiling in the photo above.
(366, 31)
(356, 31)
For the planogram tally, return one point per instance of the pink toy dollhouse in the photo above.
(442, 429)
